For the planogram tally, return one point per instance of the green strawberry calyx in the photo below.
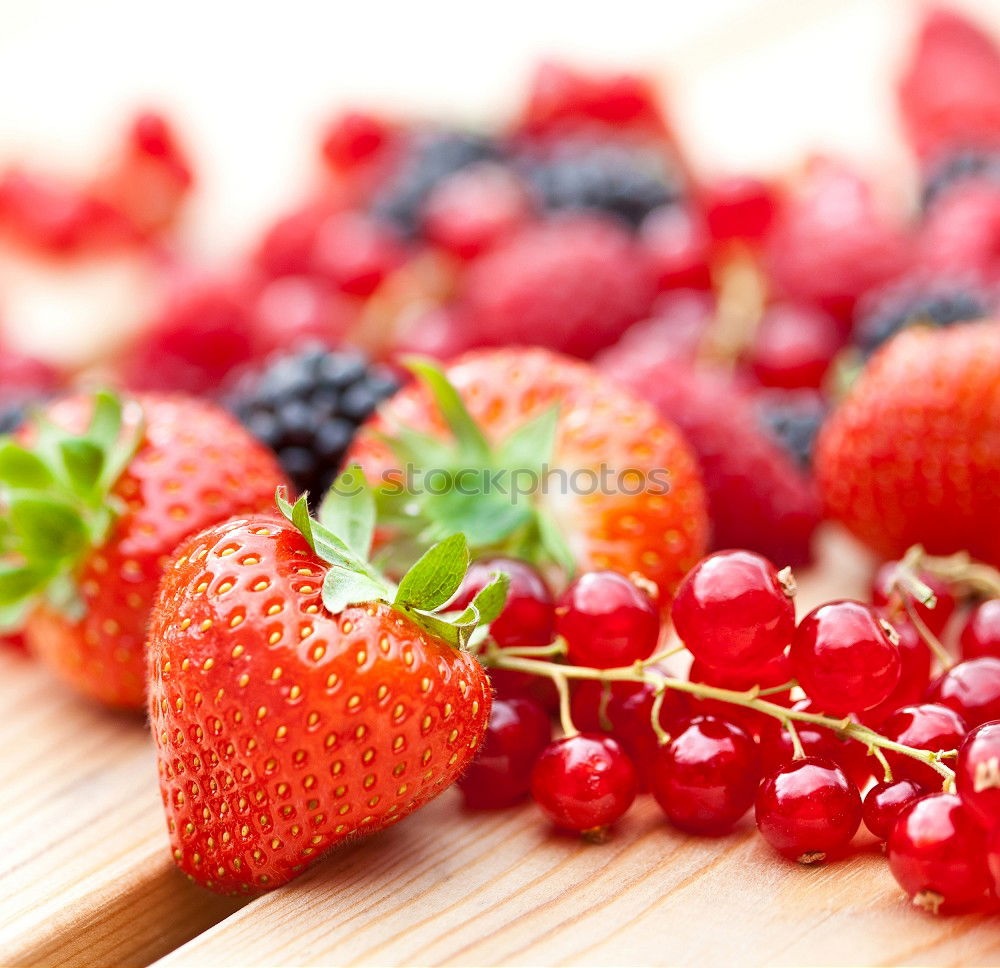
(57, 504)
(341, 535)
(473, 481)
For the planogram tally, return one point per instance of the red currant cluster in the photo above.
(792, 719)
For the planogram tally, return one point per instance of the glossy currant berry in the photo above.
(794, 347)
(624, 708)
(774, 673)
(972, 689)
(607, 621)
(777, 749)
(925, 726)
(977, 774)
(843, 657)
(809, 810)
(518, 730)
(914, 670)
(528, 617)
(734, 609)
(981, 632)
(512, 682)
(937, 853)
(584, 782)
(631, 714)
(678, 249)
(706, 777)
(935, 618)
(884, 801)
(740, 207)
(993, 857)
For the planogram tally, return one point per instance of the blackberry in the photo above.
(929, 301)
(12, 415)
(613, 179)
(958, 166)
(793, 419)
(306, 406)
(431, 158)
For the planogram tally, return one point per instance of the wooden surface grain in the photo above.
(85, 876)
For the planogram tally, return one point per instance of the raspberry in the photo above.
(831, 244)
(920, 299)
(962, 231)
(606, 178)
(430, 158)
(758, 499)
(292, 310)
(572, 284)
(307, 406)
(355, 140)
(286, 248)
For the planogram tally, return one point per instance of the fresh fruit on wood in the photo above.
(297, 698)
(912, 455)
(97, 493)
(557, 465)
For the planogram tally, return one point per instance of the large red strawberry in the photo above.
(539, 456)
(297, 698)
(913, 453)
(93, 510)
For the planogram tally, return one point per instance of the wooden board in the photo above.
(85, 876)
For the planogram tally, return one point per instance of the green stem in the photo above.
(498, 658)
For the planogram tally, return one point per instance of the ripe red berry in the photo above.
(972, 689)
(355, 253)
(843, 657)
(584, 782)
(705, 779)
(981, 632)
(740, 207)
(993, 857)
(977, 774)
(884, 801)
(473, 209)
(734, 609)
(926, 726)
(528, 618)
(678, 247)
(937, 853)
(914, 671)
(794, 347)
(935, 618)
(607, 621)
(500, 775)
(809, 810)
(630, 711)
(355, 139)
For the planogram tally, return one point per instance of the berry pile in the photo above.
(559, 413)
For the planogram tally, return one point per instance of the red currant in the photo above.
(740, 207)
(935, 618)
(528, 617)
(809, 810)
(777, 749)
(678, 248)
(981, 633)
(794, 347)
(706, 777)
(914, 671)
(972, 689)
(355, 253)
(473, 209)
(937, 853)
(355, 139)
(977, 774)
(926, 726)
(842, 656)
(993, 857)
(584, 782)
(733, 609)
(511, 682)
(774, 673)
(607, 621)
(631, 713)
(884, 801)
(517, 732)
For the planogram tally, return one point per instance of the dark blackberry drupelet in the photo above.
(307, 406)
(930, 302)
(793, 419)
(433, 156)
(623, 182)
(956, 167)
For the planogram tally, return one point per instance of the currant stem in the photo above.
(662, 736)
(930, 639)
(880, 756)
(498, 658)
(798, 753)
(959, 569)
(565, 716)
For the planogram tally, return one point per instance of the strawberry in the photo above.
(297, 698)
(91, 517)
(912, 455)
(512, 452)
